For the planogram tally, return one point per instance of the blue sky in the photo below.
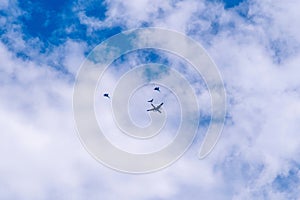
(256, 46)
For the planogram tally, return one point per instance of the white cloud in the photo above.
(43, 157)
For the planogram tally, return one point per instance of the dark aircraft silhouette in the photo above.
(150, 101)
(106, 95)
(155, 108)
(157, 89)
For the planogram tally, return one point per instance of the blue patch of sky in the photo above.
(282, 48)
(22, 55)
(4, 15)
(215, 26)
(243, 169)
(142, 56)
(241, 6)
(152, 74)
(145, 24)
(203, 125)
(204, 120)
(96, 10)
(243, 10)
(229, 3)
(276, 47)
(136, 58)
(49, 20)
(43, 18)
(155, 56)
(287, 182)
(229, 119)
(207, 32)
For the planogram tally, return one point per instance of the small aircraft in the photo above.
(106, 95)
(157, 89)
(150, 101)
(155, 108)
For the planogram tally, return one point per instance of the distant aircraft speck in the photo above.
(106, 95)
(157, 89)
(150, 101)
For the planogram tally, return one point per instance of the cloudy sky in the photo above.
(254, 43)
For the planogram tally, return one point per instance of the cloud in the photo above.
(256, 47)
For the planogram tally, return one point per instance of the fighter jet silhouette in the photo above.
(106, 95)
(157, 89)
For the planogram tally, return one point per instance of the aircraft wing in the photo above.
(152, 109)
(158, 107)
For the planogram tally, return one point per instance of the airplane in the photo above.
(150, 101)
(155, 108)
(157, 89)
(106, 95)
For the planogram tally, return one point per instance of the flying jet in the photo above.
(157, 89)
(150, 101)
(106, 95)
(155, 108)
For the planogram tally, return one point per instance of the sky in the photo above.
(256, 47)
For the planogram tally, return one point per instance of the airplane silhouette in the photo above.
(150, 101)
(157, 89)
(106, 95)
(155, 108)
